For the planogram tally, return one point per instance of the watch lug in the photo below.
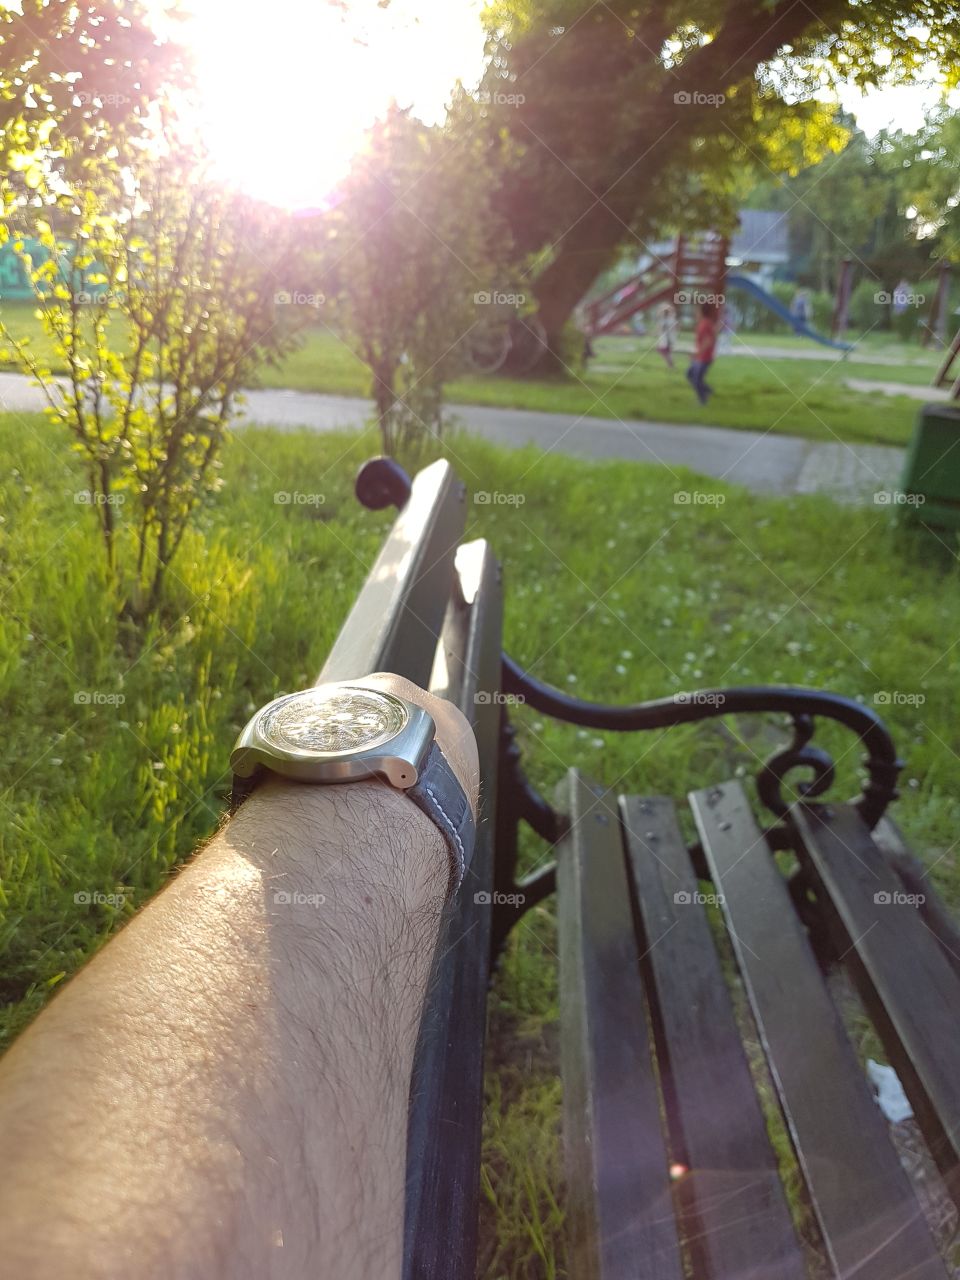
(399, 773)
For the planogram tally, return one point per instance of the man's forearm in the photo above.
(216, 1085)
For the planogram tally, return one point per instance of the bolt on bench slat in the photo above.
(869, 1216)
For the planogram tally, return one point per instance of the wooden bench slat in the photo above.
(446, 1097)
(396, 619)
(620, 1217)
(911, 991)
(871, 1221)
(736, 1219)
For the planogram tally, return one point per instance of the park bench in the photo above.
(669, 1163)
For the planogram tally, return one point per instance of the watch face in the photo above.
(334, 722)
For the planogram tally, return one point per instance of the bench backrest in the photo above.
(431, 610)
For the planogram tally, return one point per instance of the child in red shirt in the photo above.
(705, 344)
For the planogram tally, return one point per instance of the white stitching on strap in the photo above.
(453, 828)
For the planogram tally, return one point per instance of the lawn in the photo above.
(628, 380)
(112, 766)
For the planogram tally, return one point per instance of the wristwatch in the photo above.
(346, 731)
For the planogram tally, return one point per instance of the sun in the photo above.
(288, 88)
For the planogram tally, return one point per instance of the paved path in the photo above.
(927, 394)
(740, 346)
(764, 463)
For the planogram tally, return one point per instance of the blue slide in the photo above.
(798, 326)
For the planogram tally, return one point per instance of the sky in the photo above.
(289, 88)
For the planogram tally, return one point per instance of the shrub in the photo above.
(158, 293)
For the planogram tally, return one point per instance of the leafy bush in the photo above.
(158, 296)
(406, 260)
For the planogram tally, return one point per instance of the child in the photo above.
(704, 347)
(667, 326)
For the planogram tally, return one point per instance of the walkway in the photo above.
(765, 463)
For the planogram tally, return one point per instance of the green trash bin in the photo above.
(931, 473)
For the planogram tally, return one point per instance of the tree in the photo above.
(74, 77)
(406, 261)
(161, 302)
(634, 114)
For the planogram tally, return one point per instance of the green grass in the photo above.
(106, 797)
(627, 380)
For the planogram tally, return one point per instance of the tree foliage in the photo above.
(160, 302)
(407, 255)
(628, 116)
(888, 203)
(74, 78)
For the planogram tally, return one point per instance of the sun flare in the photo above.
(288, 89)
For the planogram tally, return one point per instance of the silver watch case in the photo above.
(399, 759)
